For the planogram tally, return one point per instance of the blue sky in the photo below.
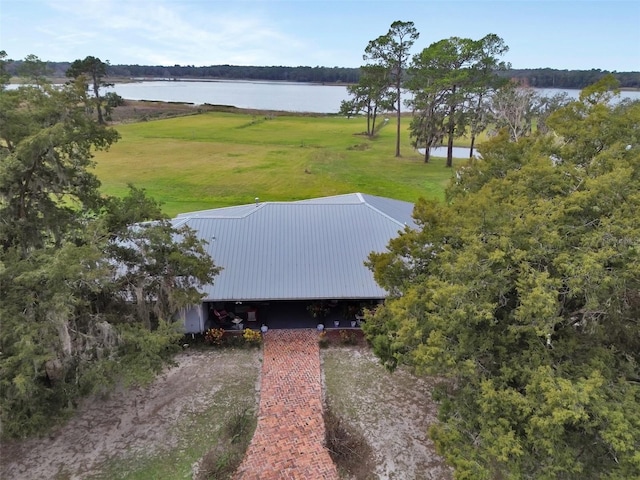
(564, 34)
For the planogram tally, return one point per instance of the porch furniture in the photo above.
(237, 321)
(221, 315)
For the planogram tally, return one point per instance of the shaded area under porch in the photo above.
(291, 314)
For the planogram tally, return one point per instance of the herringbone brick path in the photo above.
(289, 440)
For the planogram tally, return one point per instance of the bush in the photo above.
(252, 337)
(348, 337)
(348, 447)
(222, 461)
(213, 336)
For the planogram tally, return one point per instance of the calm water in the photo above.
(290, 97)
(284, 96)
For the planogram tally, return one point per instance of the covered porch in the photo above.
(287, 314)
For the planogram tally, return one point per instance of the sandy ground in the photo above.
(393, 410)
(138, 420)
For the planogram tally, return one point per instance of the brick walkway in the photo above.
(289, 440)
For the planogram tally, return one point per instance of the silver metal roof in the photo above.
(310, 249)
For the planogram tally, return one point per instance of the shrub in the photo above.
(224, 458)
(348, 447)
(252, 337)
(323, 340)
(348, 337)
(213, 336)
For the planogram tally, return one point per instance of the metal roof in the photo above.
(310, 249)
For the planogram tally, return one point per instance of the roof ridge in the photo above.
(220, 217)
(395, 220)
(403, 224)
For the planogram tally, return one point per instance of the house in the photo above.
(277, 253)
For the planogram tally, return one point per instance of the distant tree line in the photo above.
(574, 79)
(226, 72)
(232, 72)
(538, 78)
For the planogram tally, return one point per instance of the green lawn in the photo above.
(219, 159)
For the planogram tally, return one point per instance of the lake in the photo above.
(260, 95)
(285, 96)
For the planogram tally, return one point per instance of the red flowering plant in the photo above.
(213, 336)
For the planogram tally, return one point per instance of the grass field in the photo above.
(220, 159)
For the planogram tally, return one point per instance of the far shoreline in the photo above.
(124, 80)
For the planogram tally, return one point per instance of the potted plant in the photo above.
(318, 310)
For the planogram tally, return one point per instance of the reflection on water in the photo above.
(261, 95)
(284, 96)
(458, 152)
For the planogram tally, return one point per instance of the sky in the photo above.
(562, 34)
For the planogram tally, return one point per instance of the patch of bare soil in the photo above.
(129, 422)
(392, 410)
(145, 110)
(142, 110)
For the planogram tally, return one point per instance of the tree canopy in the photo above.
(370, 96)
(91, 72)
(522, 294)
(447, 77)
(89, 292)
(391, 52)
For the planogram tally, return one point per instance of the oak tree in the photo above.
(89, 294)
(522, 294)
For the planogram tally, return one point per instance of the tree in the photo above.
(521, 109)
(370, 95)
(522, 293)
(546, 106)
(454, 70)
(90, 72)
(479, 118)
(429, 114)
(161, 269)
(46, 143)
(391, 51)
(89, 293)
(515, 108)
(34, 70)
(111, 101)
(5, 76)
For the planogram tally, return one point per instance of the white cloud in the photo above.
(171, 33)
(311, 32)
